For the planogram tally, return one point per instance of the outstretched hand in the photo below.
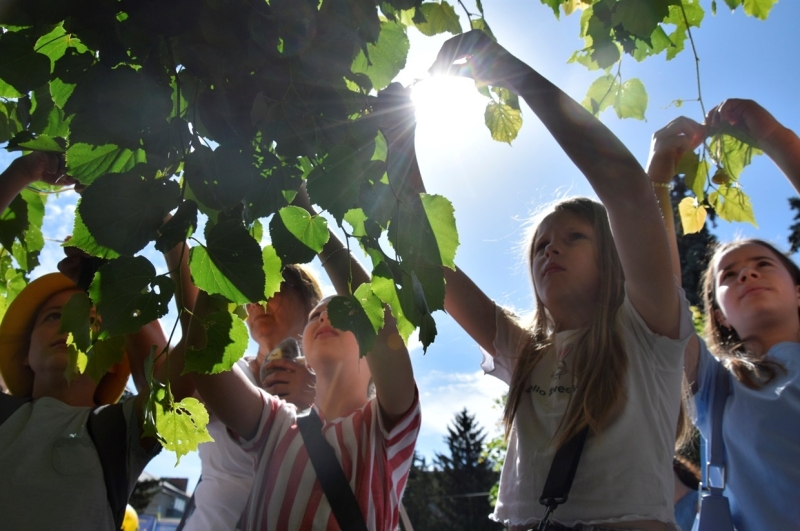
(41, 166)
(293, 382)
(744, 119)
(474, 54)
(669, 144)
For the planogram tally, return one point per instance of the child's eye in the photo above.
(762, 263)
(52, 316)
(726, 275)
(577, 236)
(541, 245)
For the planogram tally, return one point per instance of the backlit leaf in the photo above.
(693, 215)
(503, 121)
(600, 94)
(178, 228)
(356, 314)
(83, 240)
(86, 163)
(226, 341)
(272, 271)
(439, 18)
(443, 222)
(128, 294)
(125, 211)
(230, 264)
(182, 427)
(732, 204)
(631, 100)
(386, 58)
(21, 67)
(311, 230)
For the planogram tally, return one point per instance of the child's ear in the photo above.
(797, 293)
(720, 317)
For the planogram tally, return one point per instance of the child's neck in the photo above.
(339, 394)
(78, 392)
(762, 340)
(570, 317)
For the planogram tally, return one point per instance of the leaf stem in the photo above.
(696, 58)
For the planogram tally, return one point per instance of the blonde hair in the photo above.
(600, 362)
(754, 371)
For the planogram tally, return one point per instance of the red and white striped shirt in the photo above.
(286, 494)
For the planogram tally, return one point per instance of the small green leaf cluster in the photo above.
(720, 191)
(640, 29)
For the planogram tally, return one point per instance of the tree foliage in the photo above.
(226, 107)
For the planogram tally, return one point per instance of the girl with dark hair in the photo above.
(751, 293)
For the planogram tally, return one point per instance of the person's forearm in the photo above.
(665, 205)
(584, 139)
(783, 148)
(177, 260)
(12, 183)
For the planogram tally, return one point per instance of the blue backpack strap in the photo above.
(716, 446)
(109, 432)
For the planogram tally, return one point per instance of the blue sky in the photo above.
(495, 187)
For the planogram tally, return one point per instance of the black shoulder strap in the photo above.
(330, 474)
(9, 405)
(562, 473)
(109, 433)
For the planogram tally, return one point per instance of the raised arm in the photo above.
(748, 117)
(613, 172)
(666, 149)
(25, 170)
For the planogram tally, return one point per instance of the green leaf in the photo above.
(732, 153)
(356, 218)
(439, 18)
(693, 215)
(125, 211)
(312, 231)
(384, 287)
(54, 44)
(503, 121)
(182, 426)
(83, 240)
(31, 241)
(639, 18)
(60, 91)
(21, 67)
(221, 178)
(272, 271)
(86, 163)
(75, 317)
(759, 8)
(128, 295)
(335, 184)
(230, 264)
(267, 194)
(178, 228)
(42, 143)
(226, 342)
(631, 100)
(600, 94)
(732, 204)
(386, 58)
(103, 355)
(443, 223)
(356, 314)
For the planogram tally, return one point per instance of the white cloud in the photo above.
(443, 395)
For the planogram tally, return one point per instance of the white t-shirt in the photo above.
(625, 473)
(226, 477)
(50, 473)
(375, 461)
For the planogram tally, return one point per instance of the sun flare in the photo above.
(448, 105)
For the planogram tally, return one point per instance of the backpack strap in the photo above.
(109, 433)
(562, 473)
(330, 474)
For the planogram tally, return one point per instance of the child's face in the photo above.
(753, 288)
(48, 346)
(284, 316)
(564, 264)
(322, 342)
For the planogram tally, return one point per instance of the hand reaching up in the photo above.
(745, 119)
(669, 144)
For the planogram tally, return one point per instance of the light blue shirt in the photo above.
(761, 431)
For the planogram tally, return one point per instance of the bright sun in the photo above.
(448, 105)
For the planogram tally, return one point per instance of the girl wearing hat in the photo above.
(66, 443)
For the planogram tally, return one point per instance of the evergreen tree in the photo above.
(794, 236)
(466, 477)
(423, 496)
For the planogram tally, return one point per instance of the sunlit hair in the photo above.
(752, 369)
(304, 283)
(600, 362)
